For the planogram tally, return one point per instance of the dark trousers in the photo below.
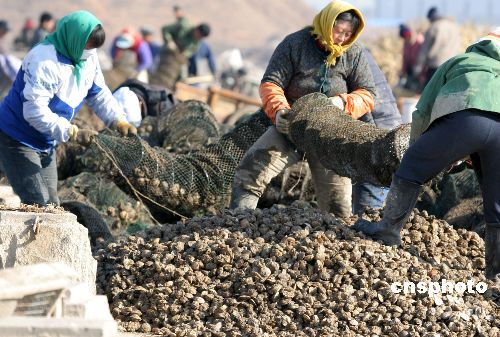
(452, 138)
(32, 174)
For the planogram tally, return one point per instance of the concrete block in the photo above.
(20, 281)
(95, 307)
(50, 327)
(8, 197)
(55, 238)
(78, 292)
(34, 289)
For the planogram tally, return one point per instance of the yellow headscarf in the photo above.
(323, 25)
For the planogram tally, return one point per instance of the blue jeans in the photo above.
(366, 195)
(32, 174)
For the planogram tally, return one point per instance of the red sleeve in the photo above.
(358, 103)
(273, 99)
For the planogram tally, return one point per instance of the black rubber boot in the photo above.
(244, 199)
(400, 201)
(492, 250)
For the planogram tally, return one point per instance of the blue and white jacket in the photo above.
(45, 98)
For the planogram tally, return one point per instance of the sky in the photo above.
(392, 12)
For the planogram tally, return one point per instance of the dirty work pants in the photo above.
(272, 153)
(451, 138)
(32, 174)
(366, 195)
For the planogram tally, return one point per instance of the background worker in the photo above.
(320, 58)
(45, 27)
(56, 77)
(181, 41)
(130, 40)
(461, 99)
(411, 47)
(155, 48)
(441, 42)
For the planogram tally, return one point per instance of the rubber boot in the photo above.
(492, 250)
(244, 199)
(400, 201)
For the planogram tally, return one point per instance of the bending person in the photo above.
(56, 77)
(461, 99)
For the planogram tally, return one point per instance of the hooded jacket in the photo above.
(51, 87)
(466, 81)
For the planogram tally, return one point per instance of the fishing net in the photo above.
(454, 188)
(351, 148)
(119, 209)
(187, 126)
(184, 183)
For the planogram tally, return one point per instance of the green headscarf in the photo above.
(71, 35)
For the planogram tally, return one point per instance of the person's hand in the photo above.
(124, 128)
(337, 101)
(282, 122)
(172, 45)
(72, 132)
(83, 137)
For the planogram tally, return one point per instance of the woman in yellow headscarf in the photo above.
(322, 58)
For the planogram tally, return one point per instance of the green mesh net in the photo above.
(184, 183)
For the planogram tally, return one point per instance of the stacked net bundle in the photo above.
(186, 183)
(187, 126)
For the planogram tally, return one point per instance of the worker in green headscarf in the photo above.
(55, 79)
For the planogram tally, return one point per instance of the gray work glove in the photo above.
(282, 122)
(83, 137)
(337, 101)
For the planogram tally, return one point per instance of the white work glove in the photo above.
(73, 132)
(337, 101)
(282, 123)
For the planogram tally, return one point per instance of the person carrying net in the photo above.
(321, 58)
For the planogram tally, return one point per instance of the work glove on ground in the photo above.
(124, 128)
(337, 101)
(83, 137)
(282, 122)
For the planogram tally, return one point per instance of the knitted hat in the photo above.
(433, 14)
(404, 31)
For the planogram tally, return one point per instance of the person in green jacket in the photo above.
(181, 41)
(457, 115)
